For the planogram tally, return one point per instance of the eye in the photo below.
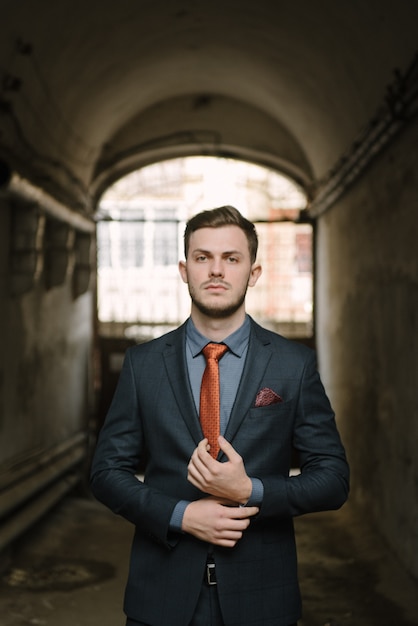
(232, 259)
(201, 258)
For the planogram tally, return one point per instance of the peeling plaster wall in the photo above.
(4, 254)
(367, 303)
(45, 357)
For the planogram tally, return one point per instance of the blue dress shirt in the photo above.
(231, 366)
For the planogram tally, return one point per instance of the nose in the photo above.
(216, 268)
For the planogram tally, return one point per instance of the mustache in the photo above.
(215, 281)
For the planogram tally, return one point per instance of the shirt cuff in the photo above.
(176, 520)
(256, 499)
(257, 493)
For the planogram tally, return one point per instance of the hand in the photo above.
(210, 520)
(223, 480)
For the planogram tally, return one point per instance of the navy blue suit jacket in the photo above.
(153, 414)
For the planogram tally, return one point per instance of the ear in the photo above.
(256, 271)
(183, 271)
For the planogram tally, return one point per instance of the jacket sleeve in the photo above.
(323, 482)
(114, 472)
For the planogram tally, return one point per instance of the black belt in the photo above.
(210, 573)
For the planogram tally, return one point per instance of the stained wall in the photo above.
(46, 333)
(367, 333)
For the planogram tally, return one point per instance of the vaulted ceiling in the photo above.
(92, 89)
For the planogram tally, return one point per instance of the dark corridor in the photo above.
(323, 92)
(70, 570)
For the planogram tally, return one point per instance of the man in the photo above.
(214, 542)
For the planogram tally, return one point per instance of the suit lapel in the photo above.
(174, 356)
(258, 357)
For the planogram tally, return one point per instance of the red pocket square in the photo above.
(267, 396)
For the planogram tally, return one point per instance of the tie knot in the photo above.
(214, 351)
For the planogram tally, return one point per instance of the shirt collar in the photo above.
(236, 341)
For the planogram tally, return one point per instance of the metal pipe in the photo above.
(34, 510)
(23, 189)
(23, 491)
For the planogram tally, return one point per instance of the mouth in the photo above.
(215, 287)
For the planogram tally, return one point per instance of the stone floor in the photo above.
(70, 571)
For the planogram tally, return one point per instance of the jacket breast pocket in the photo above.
(279, 410)
(269, 422)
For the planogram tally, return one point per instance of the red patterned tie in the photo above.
(209, 395)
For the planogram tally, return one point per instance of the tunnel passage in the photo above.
(326, 96)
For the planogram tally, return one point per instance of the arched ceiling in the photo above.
(91, 90)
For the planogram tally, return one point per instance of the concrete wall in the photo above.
(46, 331)
(367, 303)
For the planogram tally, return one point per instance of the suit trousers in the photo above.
(207, 613)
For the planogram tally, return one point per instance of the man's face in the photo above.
(218, 270)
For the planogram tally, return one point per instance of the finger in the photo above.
(227, 448)
(226, 543)
(192, 472)
(198, 473)
(243, 512)
(202, 451)
(232, 535)
(201, 460)
(205, 462)
(203, 446)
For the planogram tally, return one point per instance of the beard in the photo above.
(221, 310)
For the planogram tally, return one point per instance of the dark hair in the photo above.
(222, 216)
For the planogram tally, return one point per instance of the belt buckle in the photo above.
(210, 574)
